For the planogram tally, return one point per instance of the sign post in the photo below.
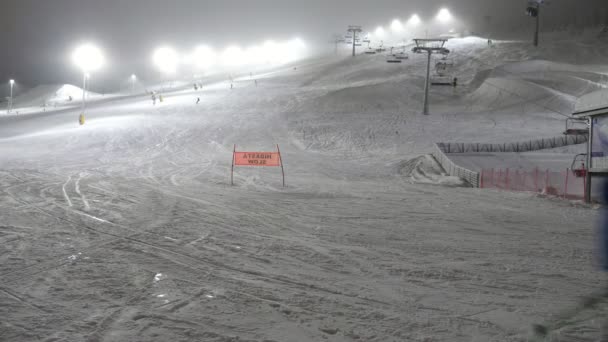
(257, 159)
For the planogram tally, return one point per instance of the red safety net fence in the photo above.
(566, 184)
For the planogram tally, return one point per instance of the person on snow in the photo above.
(195, 87)
(153, 99)
(198, 100)
(603, 253)
(603, 232)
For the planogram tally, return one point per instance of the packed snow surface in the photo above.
(127, 228)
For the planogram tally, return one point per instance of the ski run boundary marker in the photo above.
(257, 159)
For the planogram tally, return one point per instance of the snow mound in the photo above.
(53, 94)
(591, 102)
(426, 170)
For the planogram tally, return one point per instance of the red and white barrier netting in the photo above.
(566, 184)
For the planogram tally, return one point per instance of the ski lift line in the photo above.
(512, 93)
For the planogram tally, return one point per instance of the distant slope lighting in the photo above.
(88, 58)
(414, 20)
(397, 26)
(204, 57)
(379, 32)
(166, 60)
(233, 56)
(444, 15)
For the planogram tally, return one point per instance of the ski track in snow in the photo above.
(82, 197)
(65, 193)
(354, 249)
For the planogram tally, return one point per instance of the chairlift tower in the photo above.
(430, 47)
(533, 11)
(336, 41)
(354, 30)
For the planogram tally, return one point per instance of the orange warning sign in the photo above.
(257, 159)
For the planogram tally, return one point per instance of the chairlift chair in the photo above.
(390, 58)
(572, 129)
(442, 80)
(578, 165)
(402, 56)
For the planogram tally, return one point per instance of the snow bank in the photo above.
(51, 95)
(591, 102)
(426, 170)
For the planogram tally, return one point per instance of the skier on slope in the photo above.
(153, 98)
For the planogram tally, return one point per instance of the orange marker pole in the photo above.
(281, 161)
(232, 170)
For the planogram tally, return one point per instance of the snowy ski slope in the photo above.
(127, 228)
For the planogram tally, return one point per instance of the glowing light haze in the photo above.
(444, 15)
(414, 20)
(204, 57)
(88, 58)
(166, 60)
(397, 26)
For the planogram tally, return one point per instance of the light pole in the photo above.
(133, 80)
(87, 58)
(84, 91)
(10, 102)
(167, 61)
(533, 11)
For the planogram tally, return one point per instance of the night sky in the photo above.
(37, 36)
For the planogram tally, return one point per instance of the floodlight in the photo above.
(444, 15)
(232, 56)
(379, 31)
(297, 43)
(12, 82)
(133, 77)
(414, 20)
(272, 51)
(204, 57)
(255, 55)
(88, 58)
(396, 26)
(166, 60)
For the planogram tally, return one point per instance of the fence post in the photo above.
(547, 180)
(566, 184)
(481, 180)
(499, 177)
(507, 179)
(492, 179)
(585, 186)
(536, 179)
